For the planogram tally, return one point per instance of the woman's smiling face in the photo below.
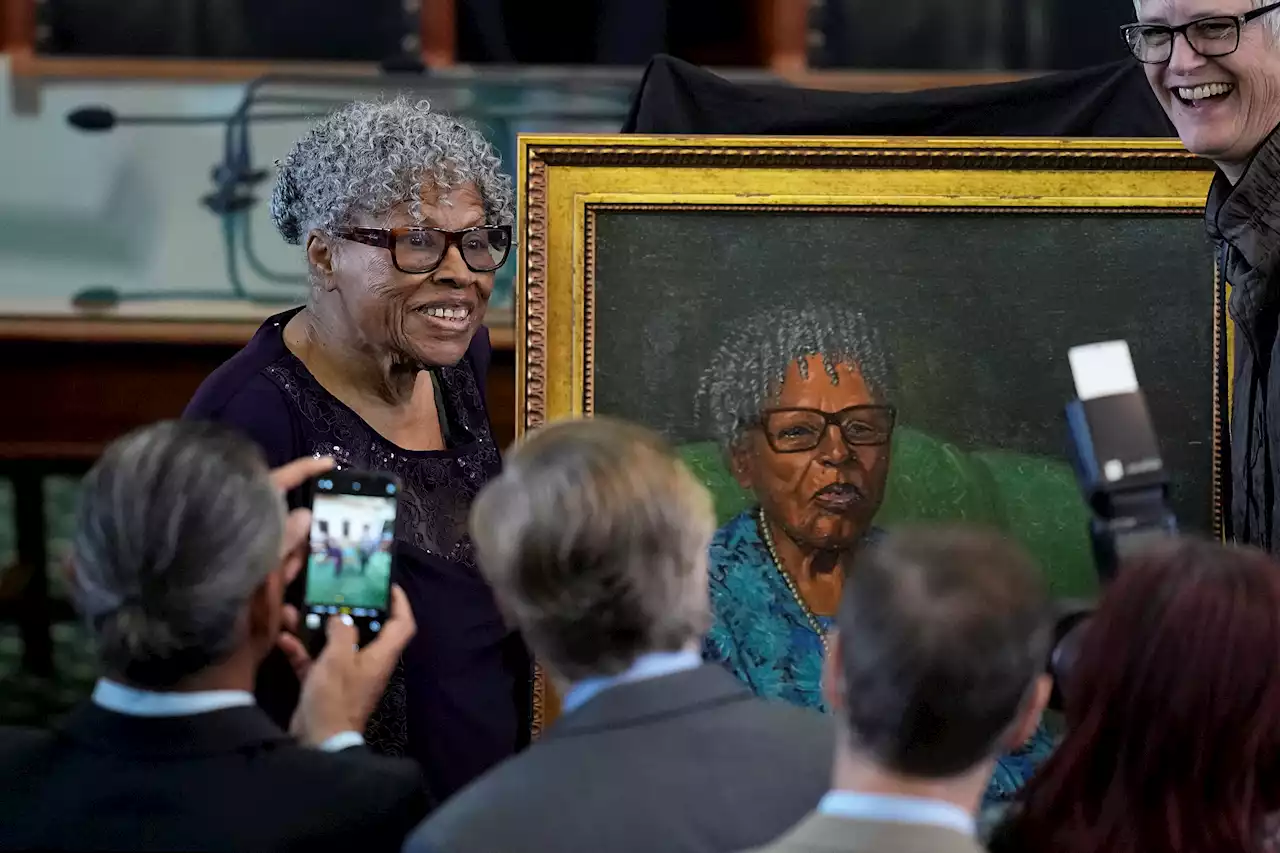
(427, 318)
(1223, 107)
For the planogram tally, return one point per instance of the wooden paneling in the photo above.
(783, 27)
(67, 399)
(71, 386)
(174, 70)
(17, 26)
(439, 23)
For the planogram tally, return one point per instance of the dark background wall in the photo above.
(978, 311)
(906, 34)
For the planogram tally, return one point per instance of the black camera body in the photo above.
(1117, 461)
(1116, 456)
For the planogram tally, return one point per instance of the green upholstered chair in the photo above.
(1032, 498)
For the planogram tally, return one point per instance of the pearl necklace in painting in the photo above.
(767, 536)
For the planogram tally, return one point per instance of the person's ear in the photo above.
(264, 610)
(833, 672)
(1032, 710)
(320, 258)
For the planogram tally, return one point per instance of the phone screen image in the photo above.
(353, 522)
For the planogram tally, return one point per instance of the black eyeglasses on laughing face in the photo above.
(1217, 35)
(418, 250)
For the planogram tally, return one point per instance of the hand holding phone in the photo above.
(342, 686)
(349, 565)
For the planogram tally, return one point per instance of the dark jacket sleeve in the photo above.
(401, 806)
(257, 408)
(359, 801)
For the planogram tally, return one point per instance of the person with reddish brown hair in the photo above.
(1172, 712)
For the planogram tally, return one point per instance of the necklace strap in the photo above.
(767, 537)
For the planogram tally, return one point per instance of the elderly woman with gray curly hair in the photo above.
(404, 215)
(800, 401)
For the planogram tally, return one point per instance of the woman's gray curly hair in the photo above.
(369, 157)
(747, 370)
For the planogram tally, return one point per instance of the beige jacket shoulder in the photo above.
(823, 834)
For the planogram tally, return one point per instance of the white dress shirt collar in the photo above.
(853, 805)
(151, 703)
(651, 665)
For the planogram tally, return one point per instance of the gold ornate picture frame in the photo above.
(587, 205)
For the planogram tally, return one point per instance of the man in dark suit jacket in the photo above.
(177, 567)
(595, 542)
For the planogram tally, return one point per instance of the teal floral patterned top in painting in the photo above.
(761, 635)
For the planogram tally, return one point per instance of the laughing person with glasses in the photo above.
(404, 214)
(1214, 65)
(799, 400)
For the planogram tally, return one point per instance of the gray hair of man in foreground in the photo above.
(594, 539)
(943, 634)
(178, 524)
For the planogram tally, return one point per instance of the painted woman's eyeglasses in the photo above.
(798, 430)
(419, 250)
(1215, 36)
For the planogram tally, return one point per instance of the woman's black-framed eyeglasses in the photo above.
(795, 430)
(1218, 35)
(418, 250)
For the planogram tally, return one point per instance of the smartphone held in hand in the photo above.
(352, 547)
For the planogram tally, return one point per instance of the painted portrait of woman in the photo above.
(801, 403)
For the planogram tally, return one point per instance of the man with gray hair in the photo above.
(937, 668)
(594, 540)
(181, 555)
(1214, 65)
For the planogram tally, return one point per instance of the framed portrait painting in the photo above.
(659, 276)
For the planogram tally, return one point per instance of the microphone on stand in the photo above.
(101, 119)
(106, 298)
(227, 198)
(234, 177)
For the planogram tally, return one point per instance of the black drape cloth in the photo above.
(1110, 100)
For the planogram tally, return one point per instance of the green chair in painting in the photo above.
(1033, 499)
